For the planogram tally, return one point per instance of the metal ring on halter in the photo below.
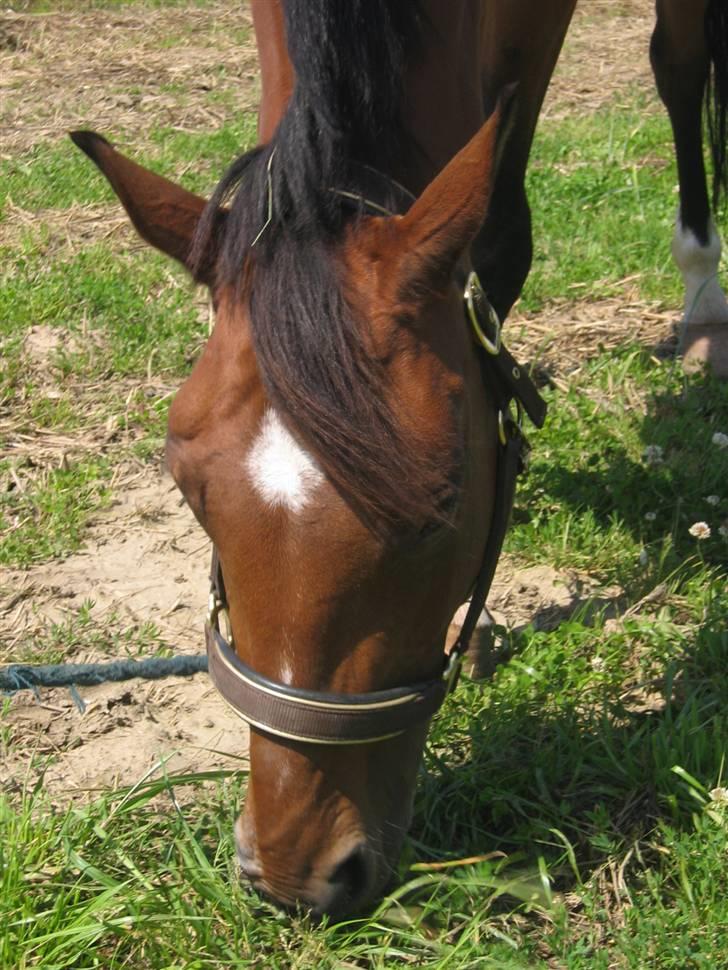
(473, 291)
(215, 610)
(453, 666)
(517, 421)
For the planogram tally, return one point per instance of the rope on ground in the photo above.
(16, 677)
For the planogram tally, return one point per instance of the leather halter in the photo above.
(317, 717)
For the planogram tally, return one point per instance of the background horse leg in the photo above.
(520, 46)
(690, 39)
(515, 50)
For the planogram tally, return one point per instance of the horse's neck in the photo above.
(276, 71)
(442, 105)
(443, 101)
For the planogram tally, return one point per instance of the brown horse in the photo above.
(336, 439)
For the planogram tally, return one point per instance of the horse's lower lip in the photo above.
(249, 867)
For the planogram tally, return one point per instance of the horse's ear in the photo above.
(164, 214)
(445, 219)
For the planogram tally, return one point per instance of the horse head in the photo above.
(348, 536)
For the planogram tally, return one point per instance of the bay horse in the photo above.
(341, 439)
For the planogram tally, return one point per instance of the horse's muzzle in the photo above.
(344, 885)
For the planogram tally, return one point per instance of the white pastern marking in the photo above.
(281, 471)
(705, 301)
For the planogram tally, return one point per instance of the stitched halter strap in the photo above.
(312, 716)
(317, 717)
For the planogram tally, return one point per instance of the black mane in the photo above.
(280, 238)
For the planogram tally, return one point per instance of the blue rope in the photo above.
(26, 676)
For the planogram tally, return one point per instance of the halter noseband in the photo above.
(317, 717)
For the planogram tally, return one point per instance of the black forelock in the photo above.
(283, 226)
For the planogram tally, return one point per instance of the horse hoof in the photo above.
(704, 347)
(480, 660)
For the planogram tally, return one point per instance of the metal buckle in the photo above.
(515, 420)
(452, 669)
(215, 610)
(474, 291)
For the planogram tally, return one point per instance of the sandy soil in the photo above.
(145, 559)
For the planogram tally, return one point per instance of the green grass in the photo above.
(122, 316)
(125, 314)
(547, 765)
(57, 174)
(602, 194)
(43, 517)
(595, 499)
(44, 510)
(134, 304)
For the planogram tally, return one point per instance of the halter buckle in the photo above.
(216, 609)
(453, 666)
(474, 292)
(213, 609)
(508, 419)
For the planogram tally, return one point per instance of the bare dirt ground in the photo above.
(122, 70)
(125, 735)
(606, 52)
(144, 558)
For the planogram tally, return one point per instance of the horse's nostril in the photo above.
(351, 881)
